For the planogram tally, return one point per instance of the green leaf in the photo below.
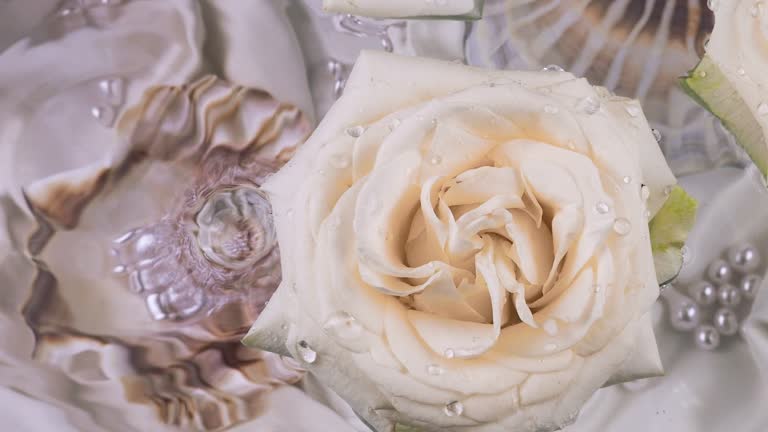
(710, 86)
(669, 229)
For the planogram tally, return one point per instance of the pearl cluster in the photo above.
(715, 306)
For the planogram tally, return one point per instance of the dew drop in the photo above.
(112, 89)
(762, 109)
(552, 68)
(394, 124)
(622, 226)
(627, 180)
(550, 327)
(104, 114)
(435, 370)
(589, 105)
(343, 325)
(340, 161)
(436, 159)
(741, 72)
(306, 352)
(703, 74)
(449, 353)
(656, 134)
(454, 409)
(550, 109)
(355, 132)
(602, 207)
(633, 110)
(645, 192)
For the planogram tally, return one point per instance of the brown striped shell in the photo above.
(636, 48)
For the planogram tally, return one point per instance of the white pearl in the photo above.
(686, 316)
(704, 293)
(749, 285)
(719, 272)
(728, 295)
(707, 337)
(744, 258)
(726, 322)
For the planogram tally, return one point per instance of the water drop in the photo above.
(355, 132)
(340, 161)
(602, 207)
(645, 192)
(550, 347)
(436, 159)
(449, 353)
(741, 72)
(454, 409)
(552, 68)
(104, 114)
(435, 370)
(112, 89)
(762, 109)
(622, 226)
(627, 180)
(394, 124)
(589, 105)
(598, 288)
(703, 74)
(656, 134)
(633, 110)
(119, 269)
(343, 325)
(667, 190)
(550, 109)
(550, 327)
(306, 352)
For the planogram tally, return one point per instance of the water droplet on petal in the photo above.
(306, 352)
(449, 353)
(394, 124)
(343, 325)
(627, 180)
(552, 68)
(602, 207)
(454, 409)
(435, 370)
(741, 72)
(656, 134)
(550, 347)
(667, 190)
(645, 192)
(355, 132)
(703, 74)
(589, 105)
(340, 161)
(112, 89)
(622, 226)
(436, 159)
(633, 110)
(104, 114)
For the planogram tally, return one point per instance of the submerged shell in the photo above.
(180, 210)
(636, 48)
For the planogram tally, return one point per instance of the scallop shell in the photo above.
(636, 48)
(108, 145)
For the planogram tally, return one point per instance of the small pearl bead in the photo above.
(728, 295)
(749, 285)
(686, 316)
(719, 272)
(744, 258)
(707, 337)
(726, 322)
(704, 293)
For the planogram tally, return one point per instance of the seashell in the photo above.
(635, 48)
(106, 151)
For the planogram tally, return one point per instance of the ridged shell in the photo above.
(636, 48)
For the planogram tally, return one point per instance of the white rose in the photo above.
(466, 9)
(466, 249)
(730, 80)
